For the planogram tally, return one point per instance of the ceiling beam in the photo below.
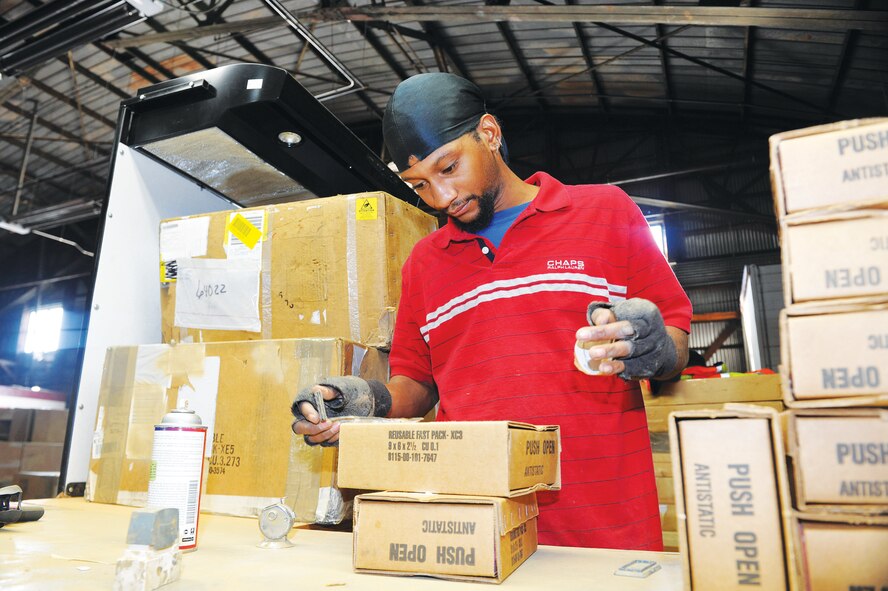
(777, 18)
(590, 62)
(780, 18)
(515, 49)
(440, 38)
(714, 68)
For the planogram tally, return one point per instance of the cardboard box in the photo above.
(38, 485)
(839, 459)
(41, 457)
(10, 461)
(446, 536)
(835, 353)
(50, 426)
(658, 415)
(838, 256)
(839, 165)
(731, 496)
(309, 269)
(837, 555)
(15, 424)
(492, 458)
(243, 392)
(751, 388)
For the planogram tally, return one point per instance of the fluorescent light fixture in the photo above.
(14, 228)
(58, 26)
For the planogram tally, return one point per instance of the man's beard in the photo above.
(486, 204)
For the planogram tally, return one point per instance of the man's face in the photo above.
(460, 179)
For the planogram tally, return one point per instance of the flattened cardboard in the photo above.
(328, 268)
(841, 256)
(15, 424)
(493, 458)
(255, 458)
(845, 552)
(446, 536)
(836, 355)
(50, 426)
(41, 457)
(10, 461)
(752, 388)
(835, 166)
(839, 459)
(658, 415)
(731, 542)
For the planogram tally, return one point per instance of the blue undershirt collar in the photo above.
(502, 221)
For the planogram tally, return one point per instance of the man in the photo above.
(491, 305)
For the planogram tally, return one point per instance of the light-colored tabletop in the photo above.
(76, 544)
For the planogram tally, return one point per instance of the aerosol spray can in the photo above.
(176, 479)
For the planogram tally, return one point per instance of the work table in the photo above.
(76, 544)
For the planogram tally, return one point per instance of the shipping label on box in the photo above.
(448, 536)
(729, 499)
(828, 165)
(253, 458)
(496, 458)
(840, 459)
(840, 256)
(836, 355)
(843, 556)
(317, 268)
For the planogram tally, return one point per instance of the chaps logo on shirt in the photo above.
(562, 264)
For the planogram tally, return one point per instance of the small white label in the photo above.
(218, 294)
(185, 237)
(254, 84)
(98, 440)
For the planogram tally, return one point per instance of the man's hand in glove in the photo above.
(337, 397)
(642, 346)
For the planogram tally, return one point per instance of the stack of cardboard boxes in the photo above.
(831, 192)
(256, 304)
(800, 500)
(695, 394)
(31, 443)
(459, 498)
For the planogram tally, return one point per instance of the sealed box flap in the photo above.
(847, 519)
(510, 512)
(520, 425)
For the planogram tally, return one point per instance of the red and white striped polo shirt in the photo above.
(497, 339)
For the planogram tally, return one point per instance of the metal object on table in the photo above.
(275, 523)
(11, 509)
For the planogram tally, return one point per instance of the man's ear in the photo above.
(490, 131)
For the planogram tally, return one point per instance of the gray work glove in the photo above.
(653, 352)
(357, 397)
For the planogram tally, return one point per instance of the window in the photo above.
(44, 329)
(658, 231)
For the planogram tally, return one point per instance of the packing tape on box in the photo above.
(265, 281)
(351, 266)
(109, 444)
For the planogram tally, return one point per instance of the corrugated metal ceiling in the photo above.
(788, 70)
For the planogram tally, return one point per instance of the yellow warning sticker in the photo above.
(244, 230)
(366, 208)
(168, 271)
